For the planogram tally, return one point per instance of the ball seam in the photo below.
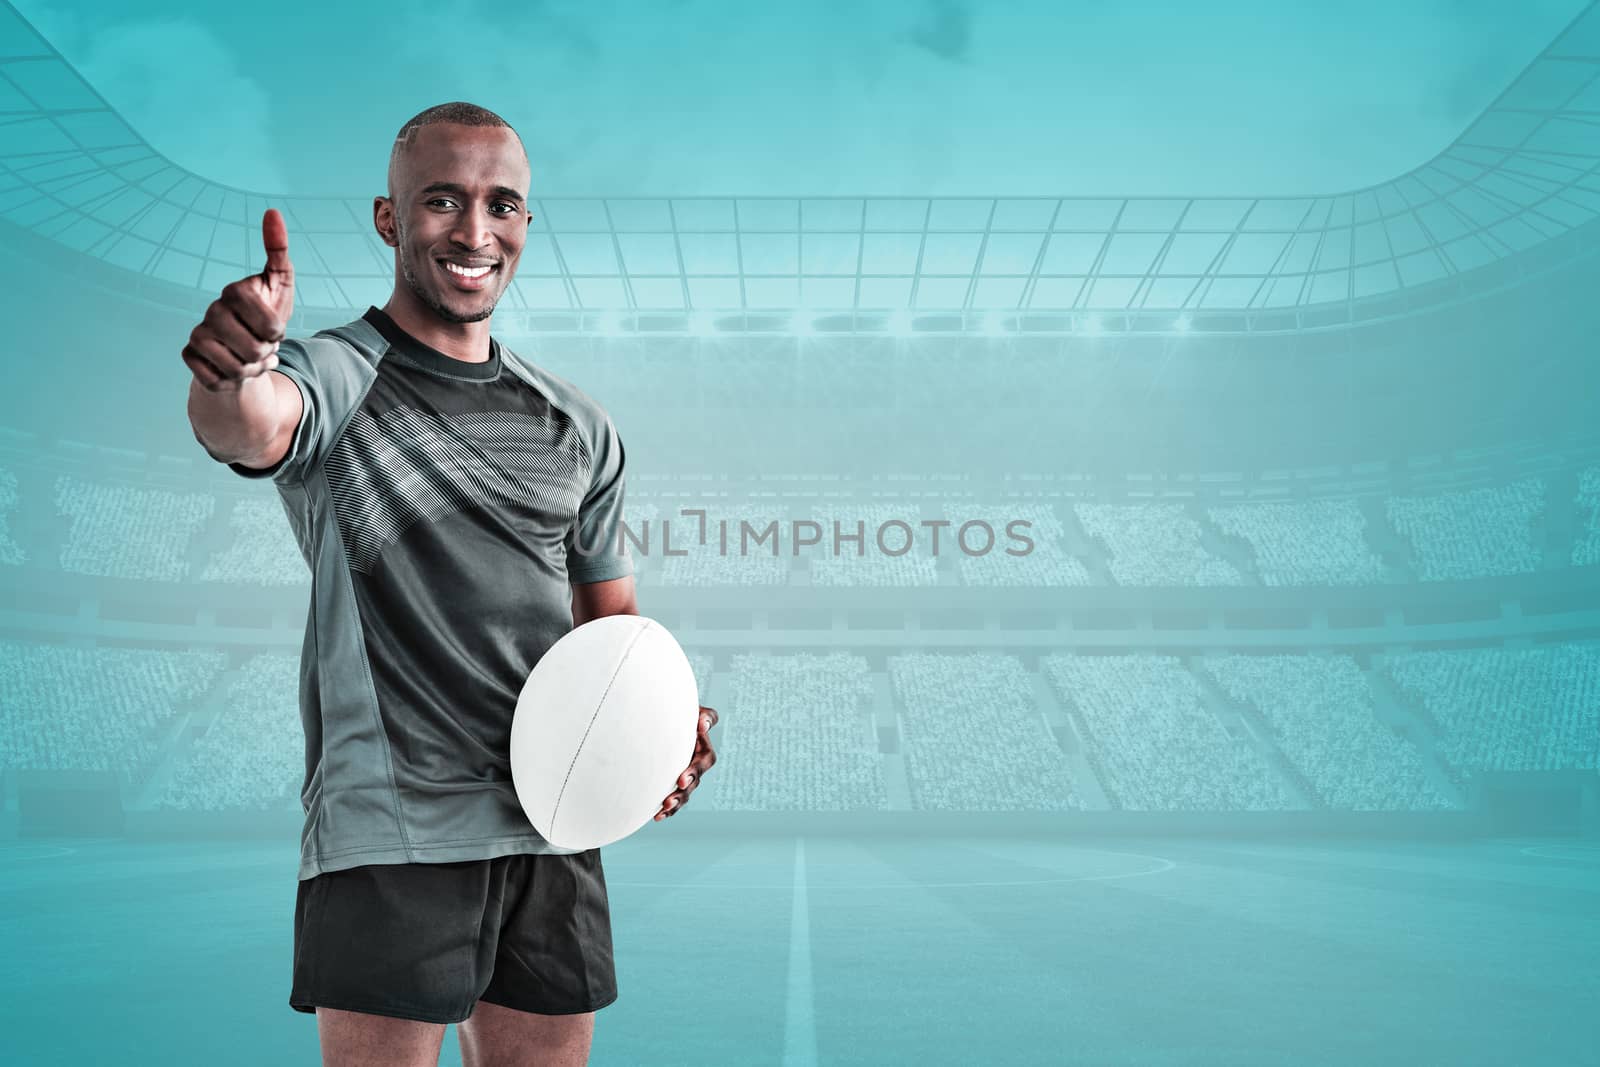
(555, 810)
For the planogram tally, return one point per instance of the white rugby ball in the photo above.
(603, 727)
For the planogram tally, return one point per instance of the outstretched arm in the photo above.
(240, 409)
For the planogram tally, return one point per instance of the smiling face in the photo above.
(457, 217)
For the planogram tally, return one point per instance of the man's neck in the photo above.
(466, 341)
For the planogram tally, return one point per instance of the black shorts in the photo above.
(427, 941)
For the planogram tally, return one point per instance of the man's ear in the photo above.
(383, 220)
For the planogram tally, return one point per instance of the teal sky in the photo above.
(913, 97)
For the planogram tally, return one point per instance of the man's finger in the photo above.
(675, 800)
(275, 238)
(250, 304)
(278, 277)
(200, 368)
(703, 761)
(237, 335)
(213, 351)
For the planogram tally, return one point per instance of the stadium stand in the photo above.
(132, 530)
(1050, 563)
(1319, 709)
(252, 755)
(742, 563)
(263, 549)
(127, 532)
(70, 708)
(799, 739)
(1152, 742)
(1313, 542)
(1509, 709)
(10, 552)
(1154, 544)
(974, 737)
(871, 567)
(1586, 541)
(1472, 533)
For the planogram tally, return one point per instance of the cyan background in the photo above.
(1318, 470)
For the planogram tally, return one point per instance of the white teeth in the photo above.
(467, 272)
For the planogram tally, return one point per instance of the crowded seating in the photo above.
(1048, 563)
(262, 551)
(1153, 743)
(1320, 712)
(797, 736)
(1509, 709)
(124, 531)
(1308, 542)
(252, 755)
(1154, 543)
(88, 708)
(974, 736)
(1472, 533)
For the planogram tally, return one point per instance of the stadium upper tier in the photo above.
(1519, 182)
(96, 525)
(70, 508)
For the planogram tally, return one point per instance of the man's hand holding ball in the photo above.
(703, 760)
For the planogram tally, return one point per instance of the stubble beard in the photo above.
(426, 296)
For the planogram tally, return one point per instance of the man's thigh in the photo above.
(496, 1036)
(356, 1039)
(411, 941)
(554, 955)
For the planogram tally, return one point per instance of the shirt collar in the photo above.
(430, 359)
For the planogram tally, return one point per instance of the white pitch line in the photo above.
(799, 1016)
(50, 852)
(1543, 851)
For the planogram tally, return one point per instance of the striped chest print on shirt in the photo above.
(400, 466)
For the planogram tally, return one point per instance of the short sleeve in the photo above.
(331, 377)
(597, 551)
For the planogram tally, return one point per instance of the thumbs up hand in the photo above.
(238, 338)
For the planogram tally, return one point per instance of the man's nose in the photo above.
(472, 231)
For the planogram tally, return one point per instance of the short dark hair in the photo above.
(458, 112)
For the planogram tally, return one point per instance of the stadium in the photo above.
(1308, 640)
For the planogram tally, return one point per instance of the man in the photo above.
(450, 499)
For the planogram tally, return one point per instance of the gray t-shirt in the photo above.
(443, 507)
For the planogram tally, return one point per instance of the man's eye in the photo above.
(510, 208)
(441, 200)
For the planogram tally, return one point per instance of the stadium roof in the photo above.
(1520, 180)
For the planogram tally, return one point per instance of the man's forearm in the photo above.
(235, 424)
(596, 600)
